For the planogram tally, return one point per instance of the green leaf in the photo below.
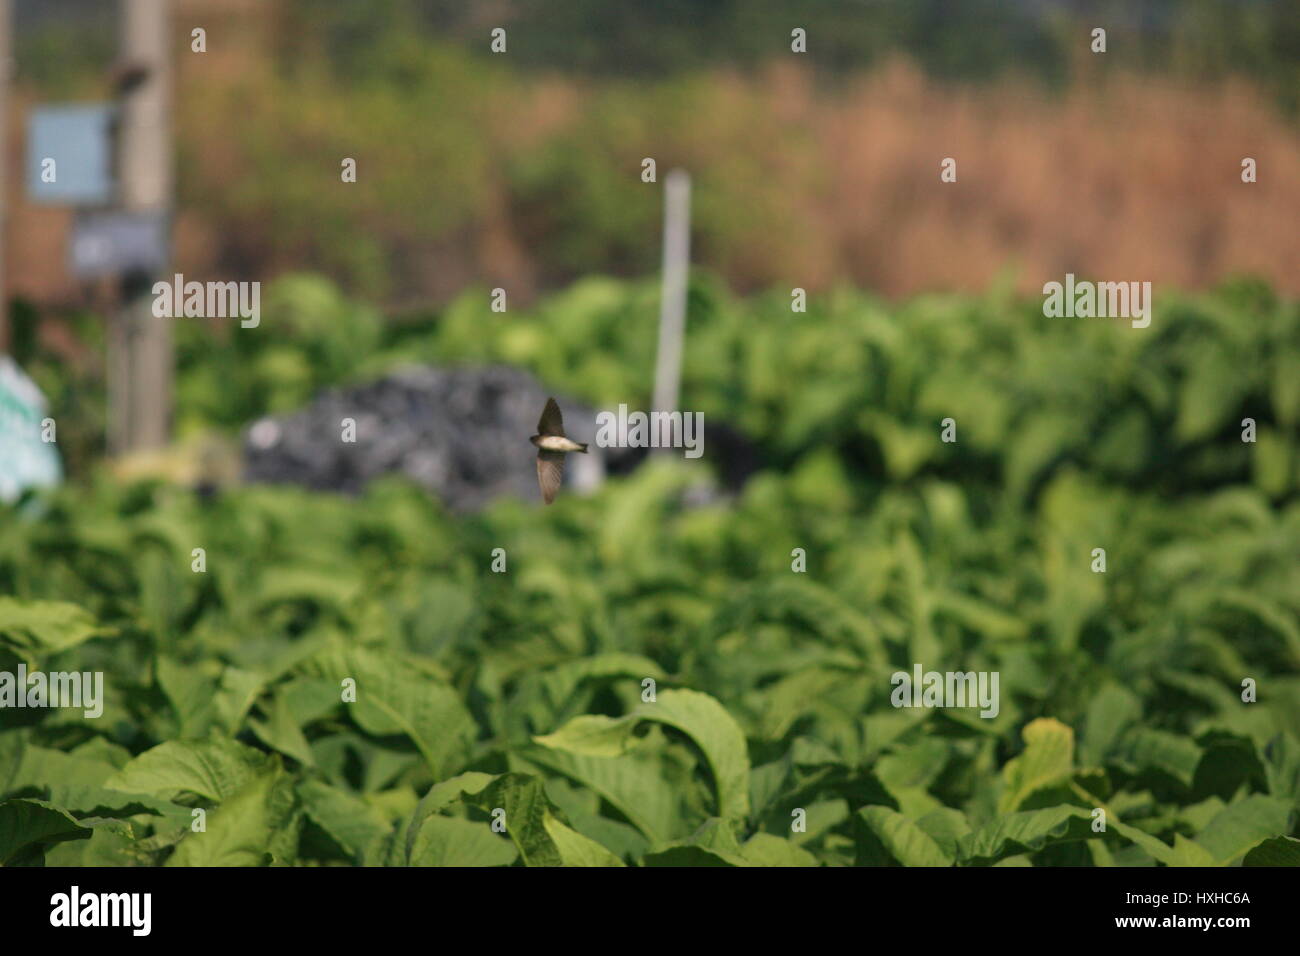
(1024, 832)
(714, 843)
(33, 628)
(946, 827)
(689, 856)
(592, 735)
(560, 682)
(392, 698)
(447, 841)
(576, 849)
(1158, 749)
(541, 838)
(913, 767)
(636, 784)
(1282, 768)
(1190, 853)
(28, 826)
(1243, 825)
(1047, 760)
(214, 769)
(906, 842)
(1277, 851)
(190, 692)
(112, 843)
(12, 747)
(41, 765)
(697, 715)
(281, 731)
(765, 849)
(103, 802)
(235, 694)
(1110, 713)
(351, 823)
(1208, 395)
(439, 796)
(255, 826)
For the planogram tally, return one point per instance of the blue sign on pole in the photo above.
(70, 154)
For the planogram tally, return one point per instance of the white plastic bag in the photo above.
(28, 456)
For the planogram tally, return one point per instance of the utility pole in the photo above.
(6, 75)
(141, 358)
(672, 304)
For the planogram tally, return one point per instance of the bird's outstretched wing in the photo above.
(550, 473)
(551, 422)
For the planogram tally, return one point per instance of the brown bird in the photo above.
(551, 448)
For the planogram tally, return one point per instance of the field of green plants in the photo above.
(1160, 698)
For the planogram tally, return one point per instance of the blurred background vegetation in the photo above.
(819, 171)
(522, 170)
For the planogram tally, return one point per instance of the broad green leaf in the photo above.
(236, 691)
(255, 826)
(697, 715)
(945, 827)
(103, 802)
(717, 833)
(1282, 768)
(190, 693)
(27, 826)
(1145, 747)
(391, 698)
(12, 746)
(1025, 831)
(539, 836)
(1244, 825)
(793, 696)
(32, 628)
(439, 796)
(561, 681)
(635, 784)
(41, 766)
(1277, 851)
(1208, 395)
(906, 842)
(281, 731)
(350, 821)
(691, 856)
(1047, 760)
(448, 841)
(913, 767)
(112, 843)
(592, 736)
(984, 618)
(214, 769)
(1158, 849)
(308, 699)
(1110, 712)
(1190, 853)
(576, 849)
(764, 849)
(714, 843)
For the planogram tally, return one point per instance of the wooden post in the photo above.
(6, 74)
(672, 305)
(140, 363)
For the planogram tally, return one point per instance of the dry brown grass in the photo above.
(1126, 179)
(1118, 178)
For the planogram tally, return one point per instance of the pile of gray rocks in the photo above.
(462, 433)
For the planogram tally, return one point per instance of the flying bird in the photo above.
(551, 448)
